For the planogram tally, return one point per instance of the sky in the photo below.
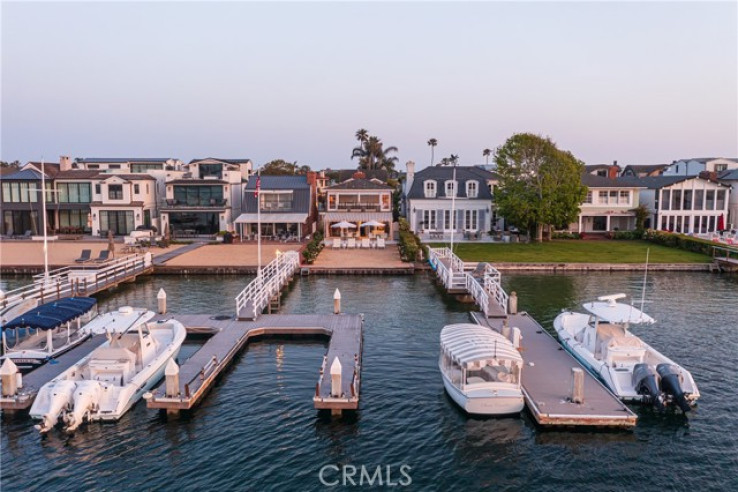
(640, 83)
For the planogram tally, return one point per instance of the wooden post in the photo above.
(336, 370)
(161, 299)
(512, 303)
(171, 375)
(10, 378)
(516, 337)
(506, 329)
(577, 385)
(337, 302)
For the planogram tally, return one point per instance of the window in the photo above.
(97, 189)
(665, 200)
(430, 189)
(472, 189)
(720, 202)
(20, 192)
(114, 166)
(118, 221)
(720, 167)
(142, 168)
(687, 200)
(429, 220)
(450, 188)
(115, 192)
(276, 201)
(624, 197)
(699, 198)
(386, 201)
(447, 221)
(613, 197)
(199, 196)
(93, 166)
(471, 220)
(74, 192)
(211, 170)
(710, 200)
(588, 198)
(136, 189)
(73, 218)
(676, 199)
(602, 197)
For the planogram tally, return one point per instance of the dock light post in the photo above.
(171, 375)
(336, 370)
(337, 302)
(161, 298)
(577, 385)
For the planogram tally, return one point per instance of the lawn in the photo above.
(574, 251)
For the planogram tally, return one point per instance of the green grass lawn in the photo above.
(574, 251)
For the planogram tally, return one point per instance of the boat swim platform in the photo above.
(34, 380)
(547, 381)
(200, 372)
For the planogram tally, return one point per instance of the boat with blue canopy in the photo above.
(47, 331)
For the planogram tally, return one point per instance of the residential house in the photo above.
(694, 166)
(22, 206)
(127, 165)
(430, 193)
(603, 170)
(122, 202)
(643, 171)
(358, 200)
(684, 204)
(731, 178)
(285, 207)
(608, 205)
(70, 205)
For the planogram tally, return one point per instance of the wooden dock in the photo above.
(197, 376)
(547, 381)
(34, 380)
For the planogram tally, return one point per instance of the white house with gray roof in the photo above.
(694, 166)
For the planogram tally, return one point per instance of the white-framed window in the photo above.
(720, 167)
(447, 221)
(430, 189)
(471, 220)
(624, 197)
(450, 188)
(602, 197)
(472, 189)
(429, 220)
(588, 198)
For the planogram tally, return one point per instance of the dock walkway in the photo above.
(34, 380)
(198, 374)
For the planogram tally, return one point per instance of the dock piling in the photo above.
(337, 302)
(506, 330)
(513, 303)
(10, 377)
(171, 374)
(336, 370)
(161, 299)
(577, 385)
(516, 337)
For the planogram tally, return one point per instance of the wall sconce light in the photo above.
(94, 216)
(138, 216)
(413, 209)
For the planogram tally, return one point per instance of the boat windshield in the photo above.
(494, 371)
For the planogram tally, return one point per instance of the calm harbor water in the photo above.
(257, 430)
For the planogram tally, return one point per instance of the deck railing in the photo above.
(256, 295)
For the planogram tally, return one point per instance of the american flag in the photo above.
(258, 186)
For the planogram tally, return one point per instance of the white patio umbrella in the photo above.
(344, 225)
(372, 223)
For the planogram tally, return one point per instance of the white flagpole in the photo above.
(258, 222)
(43, 205)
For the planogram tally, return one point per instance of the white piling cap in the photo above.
(337, 294)
(2, 294)
(336, 367)
(8, 368)
(161, 294)
(172, 368)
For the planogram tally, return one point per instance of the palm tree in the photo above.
(432, 142)
(373, 155)
(362, 135)
(486, 153)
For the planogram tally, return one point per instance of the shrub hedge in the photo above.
(409, 242)
(313, 248)
(680, 241)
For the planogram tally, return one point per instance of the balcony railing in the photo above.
(202, 203)
(356, 207)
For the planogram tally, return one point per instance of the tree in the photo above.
(281, 167)
(540, 185)
(15, 164)
(641, 214)
(432, 142)
(372, 153)
(486, 153)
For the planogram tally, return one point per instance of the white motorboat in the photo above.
(631, 368)
(105, 384)
(47, 331)
(481, 370)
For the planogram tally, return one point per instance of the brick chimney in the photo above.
(65, 163)
(312, 178)
(359, 175)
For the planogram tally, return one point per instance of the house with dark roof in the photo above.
(284, 205)
(358, 200)
(694, 166)
(442, 199)
(604, 170)
(218, 167)
(21, 200)
(608, 205)
(643, 171)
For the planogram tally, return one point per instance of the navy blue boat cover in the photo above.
(52, 314)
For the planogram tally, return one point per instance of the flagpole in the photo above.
(43, 205)
(258, 222)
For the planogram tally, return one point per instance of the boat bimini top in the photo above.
(53, 314)
(467, 343)
(613, 312)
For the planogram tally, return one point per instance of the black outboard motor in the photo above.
(671, 384)
(646, 382)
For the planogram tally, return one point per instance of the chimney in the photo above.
(359, 175)
(312, 178)
(410, 176)
(65, 164)
(613, 171)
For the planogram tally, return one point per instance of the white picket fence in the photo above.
(256, 295)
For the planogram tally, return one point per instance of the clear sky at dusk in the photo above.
(641, 83)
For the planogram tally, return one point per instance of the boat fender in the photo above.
(671, 385)
(646, 382)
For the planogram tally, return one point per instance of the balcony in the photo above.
(211, 203)
(356, 207)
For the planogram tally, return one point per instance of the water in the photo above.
(257, 430)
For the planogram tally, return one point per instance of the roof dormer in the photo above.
(429, 188)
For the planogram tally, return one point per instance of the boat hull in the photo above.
(485, 401)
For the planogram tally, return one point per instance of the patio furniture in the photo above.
(85, 256)
(351, 243)
(103, 256)
(365, 242)
(26, 235)
(336, 243)
(380, 242)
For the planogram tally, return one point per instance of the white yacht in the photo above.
(47, 331)
(110, 380)
(481, 370)
(631, 368)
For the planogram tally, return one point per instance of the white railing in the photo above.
(268, 283)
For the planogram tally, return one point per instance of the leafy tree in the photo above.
(282, 167)
(432, 143)
(641, 214)
(15, 164)
(540, 185)
(486, 153)
(372, 153)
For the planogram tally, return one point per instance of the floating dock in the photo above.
(186, 389)
(548, 372)
(34, 380)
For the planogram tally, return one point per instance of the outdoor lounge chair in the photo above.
(84, 257)
(351, 243)
(365, 242)
(380, 242)
(26, 235)
(336, 243)
(104, 256)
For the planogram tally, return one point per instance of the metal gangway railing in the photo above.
(457, 275)
(71, 281)
(256, 295)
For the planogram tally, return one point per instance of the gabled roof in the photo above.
(279, 182)
(78, 174)
(121, 160)
(380, 174)
(593, 181)
(25, 175)
(128, 177)
(644, 168)
(707, 159)
(50, 168)
(730, 174)
(227, 161)
(359, 184)
(441, 174)
(657, 182)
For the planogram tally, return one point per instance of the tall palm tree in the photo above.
(486, 153)
(432, 142)
(362, 135)
(373, 155)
